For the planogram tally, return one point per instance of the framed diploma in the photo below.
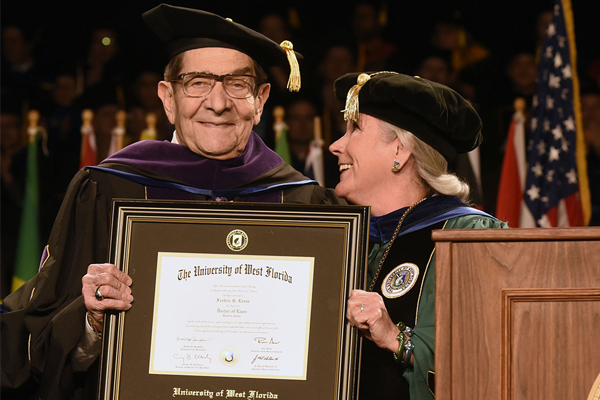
(234, 301)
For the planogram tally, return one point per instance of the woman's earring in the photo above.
(396, 166)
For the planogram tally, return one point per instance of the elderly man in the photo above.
(214, 93)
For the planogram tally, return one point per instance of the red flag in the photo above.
(510, 205)
(88, 141)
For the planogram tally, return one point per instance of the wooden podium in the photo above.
(517, 313)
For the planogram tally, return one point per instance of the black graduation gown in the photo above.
(45, 317)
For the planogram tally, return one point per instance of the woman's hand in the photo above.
(367, 312)
(105, 287)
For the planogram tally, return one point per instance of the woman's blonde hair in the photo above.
(431, 166)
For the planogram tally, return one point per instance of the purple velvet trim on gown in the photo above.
(177, 162)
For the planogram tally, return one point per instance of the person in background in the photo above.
(435, 68)
(300, 119)
(374, 51)
(22, 75)
(338, 60)
(63, 123)
(146, 100)
(519, 80)
(402, 132)
(275, 28)
(214, 91)
(102, 62)
(590, 116)
(451, 34)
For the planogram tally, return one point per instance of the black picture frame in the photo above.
(335, 236)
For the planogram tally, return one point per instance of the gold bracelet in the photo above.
(91, 322)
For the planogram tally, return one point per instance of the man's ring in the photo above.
(362, 306)
(98, 294)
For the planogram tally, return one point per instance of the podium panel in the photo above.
(517, 313)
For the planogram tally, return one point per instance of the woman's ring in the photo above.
(362, 306)
(98, 294)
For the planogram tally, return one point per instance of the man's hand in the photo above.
(105, 287)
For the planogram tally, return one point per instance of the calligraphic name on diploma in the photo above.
(231, 315)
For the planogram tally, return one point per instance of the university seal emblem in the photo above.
(237, 240)
(400, 280)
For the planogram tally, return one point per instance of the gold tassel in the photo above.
(294, 80)
(351, 112)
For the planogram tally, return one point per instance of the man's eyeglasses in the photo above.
(196, 84)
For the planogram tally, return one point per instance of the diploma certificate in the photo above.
(234, 300)
(232, 315)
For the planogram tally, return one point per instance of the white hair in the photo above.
(431, 166)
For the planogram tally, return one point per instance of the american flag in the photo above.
(552, 188)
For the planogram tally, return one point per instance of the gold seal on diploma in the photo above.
(229, 355)
(237, 240)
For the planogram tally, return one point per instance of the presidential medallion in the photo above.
(237, 240)
(400, 280)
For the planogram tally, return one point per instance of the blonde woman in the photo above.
(401, 133)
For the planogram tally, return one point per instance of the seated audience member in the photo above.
(300, 119)
(374, 51)
(338, 60)
(22, 75)
(146, 101)
(437, 69)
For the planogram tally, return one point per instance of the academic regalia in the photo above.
(46, 316)
(411, 260)
(441, 118)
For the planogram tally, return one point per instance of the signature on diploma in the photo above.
(187, 358)
(259, 357)
(190, 339)
(263, 340)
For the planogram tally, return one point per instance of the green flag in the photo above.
(282, 147)
(28, 246)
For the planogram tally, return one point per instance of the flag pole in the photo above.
(282, 146)
(318, 137)
(33, 118)
(315, 154)
(580, 147)
(118, 133)
(278, 116)
(150, 132)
